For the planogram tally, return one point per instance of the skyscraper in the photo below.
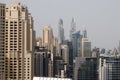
(73, 28)
(2, 23)
(75, 37)
(77, 63)
(48, 38)
(85, 68)
(61, 31)
(48, 41)
(56, 46)
(58, 66)
(88, 69)
(18, 43)
(65, 53)
(84, 47)
(109, 66)
(41, 58)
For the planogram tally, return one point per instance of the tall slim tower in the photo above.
(73, 28)
(48, 37)
(18, 43)
(2, 20)
(75, 37)
(61, 31)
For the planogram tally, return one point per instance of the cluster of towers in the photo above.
(78, 40)
(20, 52)
(59, 52)
(22, 57)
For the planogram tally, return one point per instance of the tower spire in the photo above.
(84, 32)
(73, 25)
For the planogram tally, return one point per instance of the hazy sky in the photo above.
(100, 17)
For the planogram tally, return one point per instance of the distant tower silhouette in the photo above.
(73, 28)
(60, 31)
(84, 33)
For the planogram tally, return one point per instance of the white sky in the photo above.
(101, 18)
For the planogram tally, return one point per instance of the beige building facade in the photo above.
(18, 42)
(48, 41)
(84, 48)
(51, 42)
(48, 37)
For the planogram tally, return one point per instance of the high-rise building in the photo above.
(85, 68)
(18, 43)
(67, 57)
(70, 52)
(50, 67)
(48, 38)
(61, 37)
(70, 73)
(73, 28)
(75, 37)
(56, 46)
(41, 58)
(109, 66)
(84, 47)
(61, 31)
(77, 62)
(48, 41)
(58, 66)
(2, 23)
(60, 69)
(88, 69)
(65, 53)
